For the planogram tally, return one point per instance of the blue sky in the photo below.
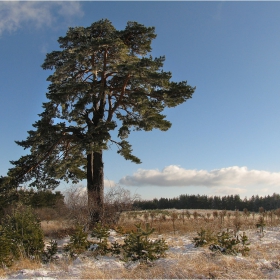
(225, 140)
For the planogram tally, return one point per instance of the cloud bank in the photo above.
(225, 177)
(109, 183)
(14, 14)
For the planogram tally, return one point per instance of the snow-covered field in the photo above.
(183, 261)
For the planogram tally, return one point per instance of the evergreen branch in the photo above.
(40, 161)
(119, 101)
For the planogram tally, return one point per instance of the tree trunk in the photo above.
(95, 186)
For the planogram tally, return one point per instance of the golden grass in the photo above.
(198, 266)
(22, 263)
(57, 228)
(202, 264)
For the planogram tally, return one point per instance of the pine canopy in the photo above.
(104, 79)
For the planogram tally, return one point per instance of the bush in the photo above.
(24, 230)
(49, 254)
(204, 237)
(137, 246)
(6, 256)
(261, 224)
(78, 242)
(224, 242)
(101, 233)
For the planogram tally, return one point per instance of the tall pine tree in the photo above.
(103, 79)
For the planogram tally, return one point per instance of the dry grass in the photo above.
(23, 263)
(201, 264)
(57, 229)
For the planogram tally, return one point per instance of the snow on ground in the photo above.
(178, 245)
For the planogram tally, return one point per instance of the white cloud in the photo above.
(225, 177)
(14, 14)
(109, 183)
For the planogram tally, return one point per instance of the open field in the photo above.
(183, 260)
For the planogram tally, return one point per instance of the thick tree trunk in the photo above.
(95, 186)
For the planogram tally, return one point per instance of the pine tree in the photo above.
(137, 246)
(78, 242)
(103, 78)
(6, 256)
(25, 232)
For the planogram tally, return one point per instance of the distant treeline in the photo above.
(35, 199)
(230, 202)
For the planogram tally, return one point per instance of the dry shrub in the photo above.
(76, 202)
(116, 201)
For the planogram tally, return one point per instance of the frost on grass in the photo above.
(183, 260)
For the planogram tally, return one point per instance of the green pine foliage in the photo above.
(24, 229)
(225, 242)
(100, 232)
(78, 242)
(261, 224)
(228, 241)
(244, 250)
(48, 255)
(6, 254)
(137, 246)
(205, 236)
(103, 79)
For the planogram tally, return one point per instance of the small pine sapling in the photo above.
(137, 246)
(152, 216)
(78, 242)
(270, 215)
(195, 215)
(101, 233)
(204, 237)
(160, 219)
(228, 216)
(146, 216)
(24, 229)
(261, 224)
(174, 217)
(182, 216)
(246, 213)
(237, 223)
(215, 214)
(244, 250)
(227, 241)
(6, 256)
(49, 254)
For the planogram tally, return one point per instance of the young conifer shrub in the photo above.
(6, 256)
(137, 245)
(24, 229)
(228, 241)
(244, 250)
(102, 233)
(261, 224)
(204, 237)
(78, 242)
(174, 217)
(49, 254)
